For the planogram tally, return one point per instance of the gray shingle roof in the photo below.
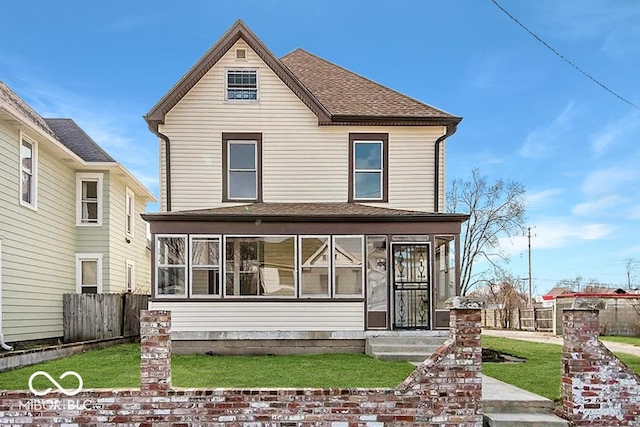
(75, 139)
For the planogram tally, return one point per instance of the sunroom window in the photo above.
(260, 266)
(348, 254)
(171, 265)
(315, 258)
(205, 266)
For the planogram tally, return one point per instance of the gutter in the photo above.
(450, 130)
(153, 127)
(2, 343)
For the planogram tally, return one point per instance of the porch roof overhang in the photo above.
(305, 212)
(305, 218)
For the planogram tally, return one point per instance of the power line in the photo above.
(565, 59)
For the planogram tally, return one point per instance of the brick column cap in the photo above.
(463, 303)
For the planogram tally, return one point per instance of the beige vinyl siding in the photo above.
(38, 247)
(191, 316)
(302, 162)
(121, 251)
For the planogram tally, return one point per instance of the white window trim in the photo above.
(129, 195)
(88, 257)
(226, 83)
(255, 166)
(185, 266)
(193, 237)
(334, 265)
(252, 236)
(34, 172)
(132, 264)
(98, 177)
(328, 266)
(380, 171)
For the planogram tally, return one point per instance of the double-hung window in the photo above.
(89, 273)
(368, 167)
(130, 277)
(242, 164)
(242, 84)
(28, 176)
(89, 199)
(171, 265)
(129, 224)
(205, 266)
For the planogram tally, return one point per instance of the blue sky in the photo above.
(528, 116)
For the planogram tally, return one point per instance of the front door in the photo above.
(411, 285)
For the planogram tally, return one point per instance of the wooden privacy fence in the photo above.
(100, 316)
(526, 319)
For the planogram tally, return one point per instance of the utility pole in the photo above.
(530, 281)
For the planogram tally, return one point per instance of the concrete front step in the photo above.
(509, 406)
(409, 348)
(493, 419)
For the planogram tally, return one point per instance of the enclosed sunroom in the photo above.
(303, 271)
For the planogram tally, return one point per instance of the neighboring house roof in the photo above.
(74, 138)
(602, 290)
(558, 290)
(14, 101)
(303, 211)
(346, 94)
(334, 94)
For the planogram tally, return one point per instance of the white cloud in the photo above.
(601, 205)
(614, 131)
(540, 141)
(542, 198)
(557, 233)
(605, 182)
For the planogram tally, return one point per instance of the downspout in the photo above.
(2, 343)
(450, 130)
(153, 127)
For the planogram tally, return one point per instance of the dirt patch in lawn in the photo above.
(489, 355)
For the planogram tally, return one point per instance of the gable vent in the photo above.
(241, 54)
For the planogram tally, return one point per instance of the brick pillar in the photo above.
(466, 327)
(155, 350)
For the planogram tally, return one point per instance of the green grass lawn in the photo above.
(541, 372)
(118, 367)
(625, 340)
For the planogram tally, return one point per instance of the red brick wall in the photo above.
(597, 388)
(445, 390)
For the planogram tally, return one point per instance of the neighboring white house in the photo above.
(69, 221)
(299, 200)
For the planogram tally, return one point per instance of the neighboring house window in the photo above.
(171, 265)
(89, 199)
(205, 265)
(130, 276)
(315, 259)
(242, 84)
(348, 256)
(260, 266)
(28, 176)
(88, 273)
(242, 166)
(129, 212)
(368, 167)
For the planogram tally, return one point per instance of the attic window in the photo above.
(241, 54)
(242, 84)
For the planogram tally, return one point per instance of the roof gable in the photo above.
(238, 31)
(335, 95)
(13, 100)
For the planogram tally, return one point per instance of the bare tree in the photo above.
(573, 284)
(507, 294)
(631, 265)
(495, 210)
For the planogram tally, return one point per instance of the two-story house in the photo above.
(69, 221)
(301, 204)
